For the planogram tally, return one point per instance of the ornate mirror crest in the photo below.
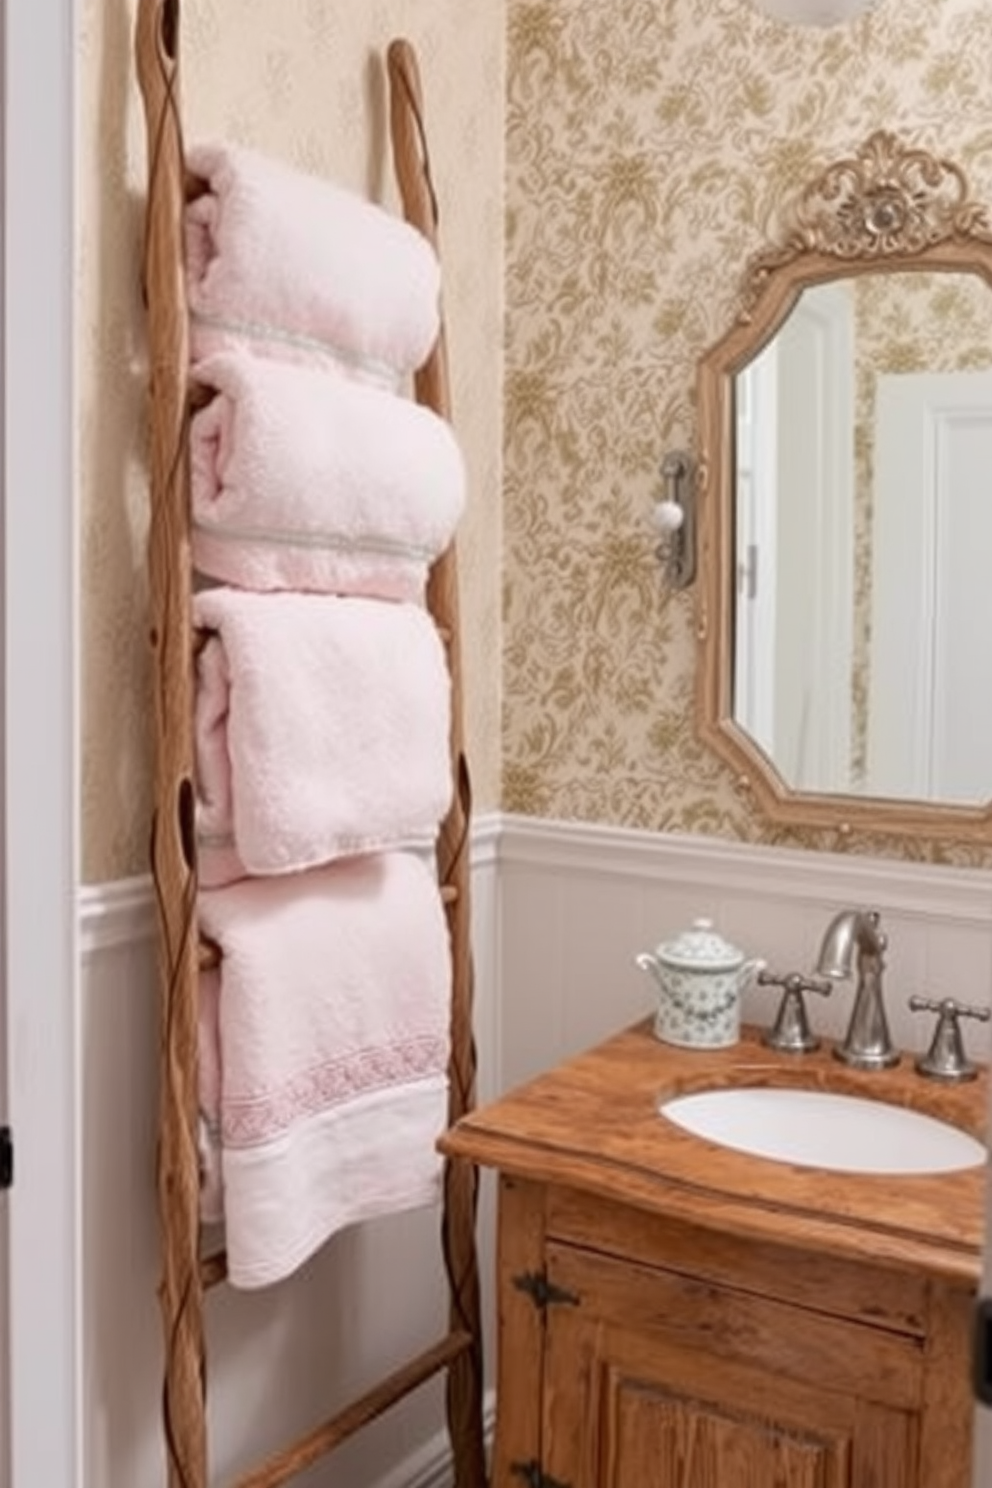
(885, 202)
(906, 217)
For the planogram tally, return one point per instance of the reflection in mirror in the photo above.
(844, 519)
(863, 447)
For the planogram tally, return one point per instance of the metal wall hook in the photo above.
(675, 517)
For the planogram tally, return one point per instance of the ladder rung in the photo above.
(309, 1449)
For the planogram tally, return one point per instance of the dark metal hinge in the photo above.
(542, 1291)
(534, 1477)
(6, 1157)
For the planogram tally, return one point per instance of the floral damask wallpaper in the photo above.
(651, 148)
(302, 79)
(650, 145)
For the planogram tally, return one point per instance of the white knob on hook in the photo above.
(668, 516)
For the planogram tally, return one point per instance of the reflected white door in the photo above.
(755, 525)
(930, 722)
(795, 453)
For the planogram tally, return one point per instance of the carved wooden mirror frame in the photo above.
(888, 206)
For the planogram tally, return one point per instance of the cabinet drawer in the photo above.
(837, 1287)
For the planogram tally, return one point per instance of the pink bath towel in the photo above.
(303, 479)
(332, 1009)
(294, 266)
(209, 1135)
(321, 730)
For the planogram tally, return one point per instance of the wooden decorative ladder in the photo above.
(186, 1273)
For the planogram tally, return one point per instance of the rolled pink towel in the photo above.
(303, 479)
(293, 265)
(321, 731)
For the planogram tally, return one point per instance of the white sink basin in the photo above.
(819, 1129)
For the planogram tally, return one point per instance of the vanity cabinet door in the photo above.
(654, 1380)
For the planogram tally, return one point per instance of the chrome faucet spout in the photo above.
(867, 1043)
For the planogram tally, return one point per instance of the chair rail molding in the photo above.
(799, 876)
(122, 911)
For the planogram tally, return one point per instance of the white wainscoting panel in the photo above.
(559, 912)
(579, 901)
(280, 1359)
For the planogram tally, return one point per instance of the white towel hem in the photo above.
(373, 1157)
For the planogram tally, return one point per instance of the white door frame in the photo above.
(756, 526)
(39, 744)
(917, 415)
(824, 315)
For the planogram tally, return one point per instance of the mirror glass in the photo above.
(862, 546)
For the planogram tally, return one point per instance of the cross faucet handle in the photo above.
(791, 1032)
(945, 1059)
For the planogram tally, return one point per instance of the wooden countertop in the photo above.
(592, 1123)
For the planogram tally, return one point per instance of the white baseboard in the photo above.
(430, 1466)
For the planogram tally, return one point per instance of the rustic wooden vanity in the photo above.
(675, 1314)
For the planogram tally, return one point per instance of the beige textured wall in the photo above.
(302, 79)
(650, 144)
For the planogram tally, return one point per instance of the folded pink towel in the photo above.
(295, 266)
(331, 1009)
(321, 730)
(305, 480)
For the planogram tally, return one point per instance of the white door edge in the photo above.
(916, 415)
(40, 769)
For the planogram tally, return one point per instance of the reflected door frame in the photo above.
(813, 751)
(927, 426)
(756, 559)
(39, 1043)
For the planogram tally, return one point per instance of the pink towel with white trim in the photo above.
(291, 265)
(303, 479)
(321, 730)
(331, 1010)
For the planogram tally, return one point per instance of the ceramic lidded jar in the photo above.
(700, 978)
